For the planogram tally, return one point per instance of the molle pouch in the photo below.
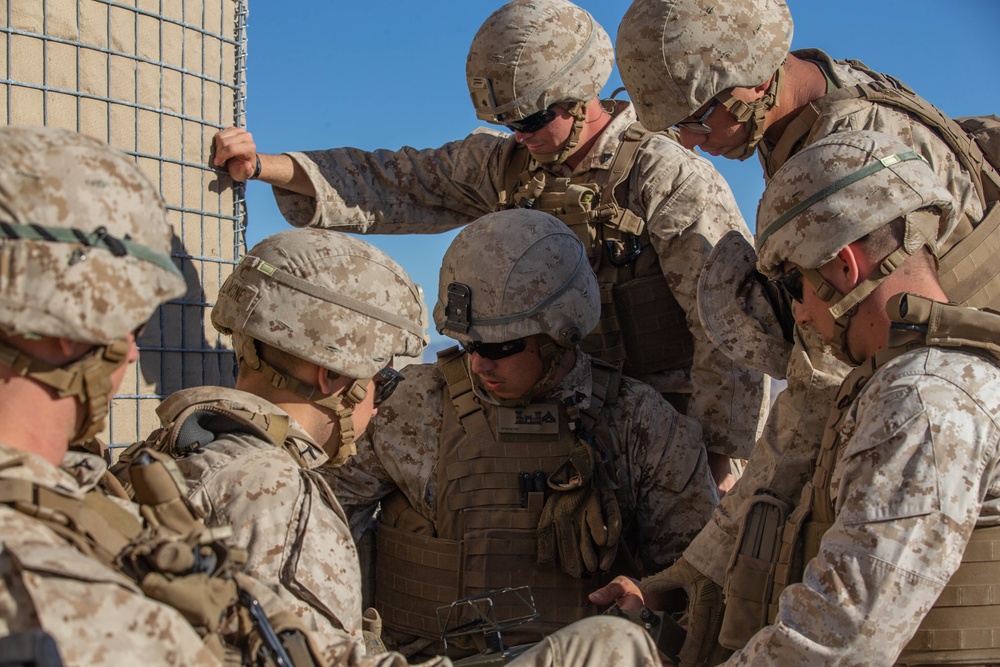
(750, 577)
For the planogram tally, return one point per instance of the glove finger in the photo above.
(588, 550)
(608, 555)
(612, 516)
(594, 521)
(568, 540)
(704, 611)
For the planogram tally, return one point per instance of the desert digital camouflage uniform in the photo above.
(909, 462)
(684, 204)
(668, 491)
(86, 257)
(96, 615)
(785, 455)
(917, 469)
(455, 464)
(859, 114)
(280, 506)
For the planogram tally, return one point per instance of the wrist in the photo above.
(256, 172)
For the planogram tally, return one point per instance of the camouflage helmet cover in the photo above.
(676, 55)
(525, 273)
(326, 297)
(531, 54)
(84, 238)
(840, 189)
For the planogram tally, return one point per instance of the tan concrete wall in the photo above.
(154, 78)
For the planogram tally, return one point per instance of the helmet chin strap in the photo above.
(844, 306)
(752, 114)
(88, 379)
(578, 111)
(342, 405)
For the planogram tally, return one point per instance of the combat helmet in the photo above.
(674, 56)
(835, 192)
(518, 273)
(328, 298)
(85, 246)
(531, 54)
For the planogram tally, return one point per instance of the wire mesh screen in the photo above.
(155, 79)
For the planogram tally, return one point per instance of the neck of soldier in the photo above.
(35, 419)
(595, 121)
(318, 422)
(804, 83)
(869, 328)
(566, 363)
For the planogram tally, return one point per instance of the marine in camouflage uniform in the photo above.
(648, 210)
(699, 97)
(897, 527)
(489, 449)
(86, 256)
(316, 318)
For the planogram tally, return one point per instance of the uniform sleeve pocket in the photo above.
(888, 469)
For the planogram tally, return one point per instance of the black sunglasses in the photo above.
(495, 351)
(699, 126)
(791, 283)
(386, 381)
(532, 123)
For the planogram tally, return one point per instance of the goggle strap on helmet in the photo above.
(840, 184)
(568, 67)
(538, 307)
(98, 239)
(329, 296)
(87, 379)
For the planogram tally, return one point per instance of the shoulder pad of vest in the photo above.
(606, 381)
(449, 353)
(635, 132)
(948, 325)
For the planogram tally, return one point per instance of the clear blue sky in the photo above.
(389, 73)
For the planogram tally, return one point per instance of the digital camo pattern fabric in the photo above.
(331, 299)
(685, 203)
(285, 515)
(783, 457)
(670, 490)
(856, 114)
(96, 615)
(96, 291)
(676, 55)
(917, 470)
(519, 60)
(841, 188)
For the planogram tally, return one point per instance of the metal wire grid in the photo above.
(162, 103)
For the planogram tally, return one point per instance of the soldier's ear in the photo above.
(326, 380)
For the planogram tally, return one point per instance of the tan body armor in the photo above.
(642, 330)
(484, 537)
(968, 271)
(165, 557)
(961, 626)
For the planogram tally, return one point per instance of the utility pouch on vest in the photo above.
(788, 569)
(653, 327)
(750, 577)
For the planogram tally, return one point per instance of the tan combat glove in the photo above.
(581, 522)
(705, 607)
